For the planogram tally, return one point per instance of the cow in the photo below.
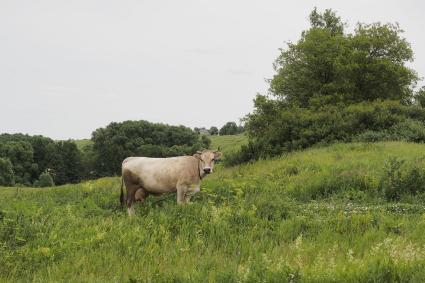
(144, 176)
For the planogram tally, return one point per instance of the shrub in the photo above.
(400, 179)
(283, 129)
(45, 180)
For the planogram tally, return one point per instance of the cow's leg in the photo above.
(187, 198)
(181, 190)
(194, 189)
(131, 192)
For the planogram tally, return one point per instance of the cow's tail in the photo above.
(122, 198)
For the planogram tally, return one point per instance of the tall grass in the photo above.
(322, 215)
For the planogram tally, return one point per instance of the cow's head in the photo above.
(207, 159)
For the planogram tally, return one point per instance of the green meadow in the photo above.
(228, 143)
(342, 213)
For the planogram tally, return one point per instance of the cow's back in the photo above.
(161, 175)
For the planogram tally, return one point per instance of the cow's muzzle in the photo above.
(207, 170)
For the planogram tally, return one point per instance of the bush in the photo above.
(278, 129)
(44, 181)
(401, 180)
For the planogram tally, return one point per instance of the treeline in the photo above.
(40, 161)
(24, 158)
(230, 128)
(334, 86)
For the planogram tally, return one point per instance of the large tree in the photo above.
(328, 66)
(336, 86)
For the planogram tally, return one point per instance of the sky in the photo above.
(70, 67)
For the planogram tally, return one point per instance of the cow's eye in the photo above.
(213, 159)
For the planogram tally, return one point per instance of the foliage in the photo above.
(7, 178)
(327, 66)
(45, 180)
(206, 141)
(312, 216)
(20, 154)
(402, 180)
(213, 131)
(230, 128)
(275, 130)
(32, 155)
(420, 97)
(333, 86)
(117, 141)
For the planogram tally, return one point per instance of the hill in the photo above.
(82, 143)
(320, 215)
(228, 143)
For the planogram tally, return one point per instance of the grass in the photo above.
(319, 215)
(82, 143)
(228, 143)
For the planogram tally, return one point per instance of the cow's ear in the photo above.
(197, 155)
(217, 155)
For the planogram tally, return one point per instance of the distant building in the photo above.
(204, 132)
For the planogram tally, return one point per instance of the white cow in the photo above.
(144, 176)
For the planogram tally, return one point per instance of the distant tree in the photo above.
(20, 154)
(71, 167)
(231, 128)
(88, 161)
(327, 66)
(206, 141)
(32, 155)
(213, 131)
(7, 177)
(117, 141)
(420, 97)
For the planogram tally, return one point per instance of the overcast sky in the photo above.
(70, 67)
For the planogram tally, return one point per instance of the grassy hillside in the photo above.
(228, 143)
(82, 143)
(320, 215)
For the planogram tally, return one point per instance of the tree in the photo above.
(333, 86)
(206, 142)
(7, 177)
(230, 128)
(213, 131)
(327, 66)
(420, 97)
(70, 168)
(113, 144)
(20, 154)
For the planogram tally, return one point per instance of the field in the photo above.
(82, 143)
(228, 143)
(320, 215)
